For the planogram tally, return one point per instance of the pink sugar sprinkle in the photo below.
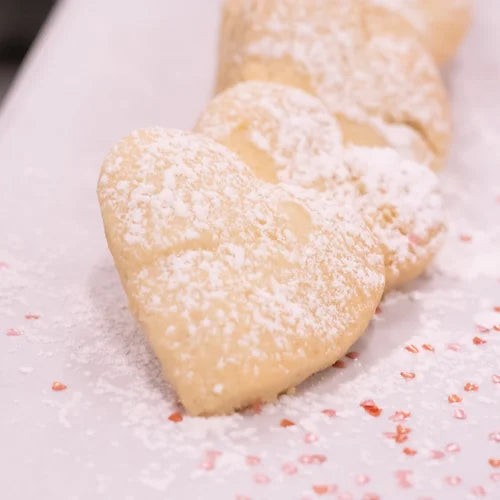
(242, 497)
(208, 462)
(414, 240)
(289, 469)
(329, 413)
(478, 491)
(437, 454)
(362, 479)
(310, 438)
(403, 473)
(453, 448)
(344, 496)
(371, 496)
(261, 479)
(3, 265)
(453, 480)
(454, 347)
(496, 379)
(207, 465)
(459, 414)
(495, 436)
(11, 332)
(495, 477)
(32, 316)
(402, 478)
(214, 453)
(251, 460)
(482, 329)
(400, 416)
(312, 459)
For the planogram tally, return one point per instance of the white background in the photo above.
(103, 68)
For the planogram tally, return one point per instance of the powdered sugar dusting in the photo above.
(329, 48)
(400, 199)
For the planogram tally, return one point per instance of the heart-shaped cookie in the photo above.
(286, 135)
(244, 288)
(337, 50)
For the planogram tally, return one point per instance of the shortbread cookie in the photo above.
(286, 135)
(360, 69)
(441, 24)
(244, 288)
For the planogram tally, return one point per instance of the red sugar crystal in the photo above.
(478, 341)
(312, 459)
(470, 387)
(175, 417)
(409, 452)
(399, 416)
(371, 408)
(58, 386)
(412, 348)
(454, 398)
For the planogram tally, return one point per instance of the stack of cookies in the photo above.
(255, 251)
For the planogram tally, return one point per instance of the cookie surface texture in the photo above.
(288, 136)
(335, 49)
